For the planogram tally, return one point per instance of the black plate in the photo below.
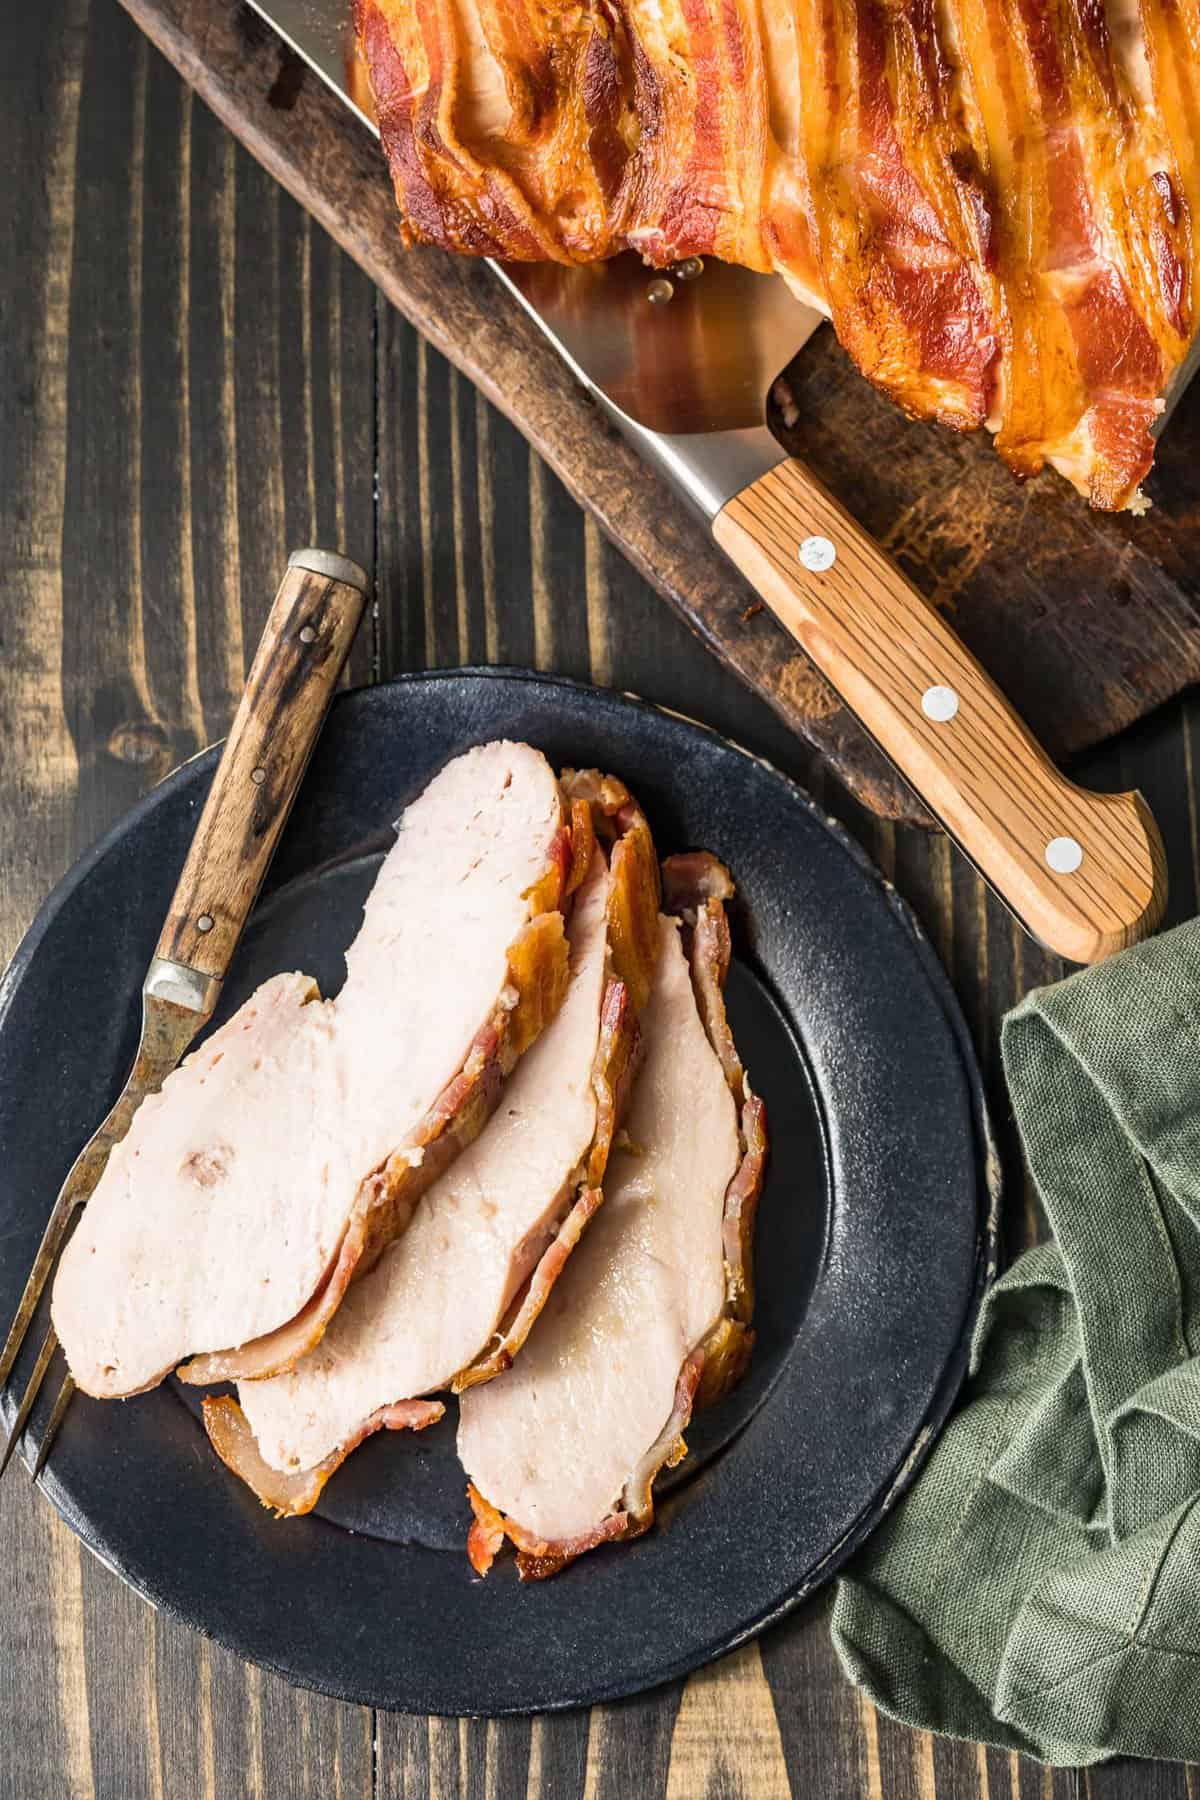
(877, 1232)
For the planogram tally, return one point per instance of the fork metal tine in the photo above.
(65, 1395)
(51, 1244)
(86, 1170)
(45, 1355)
(168, 1027)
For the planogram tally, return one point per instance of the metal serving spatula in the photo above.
(683, 360)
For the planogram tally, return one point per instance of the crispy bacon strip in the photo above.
(289, 1496)
(698, 886)
(610, 811)
(616, 1066)
(996, 201)
(633, 906)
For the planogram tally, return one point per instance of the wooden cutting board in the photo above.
(1087, 622)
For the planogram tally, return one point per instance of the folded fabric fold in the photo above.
(1039, 1589)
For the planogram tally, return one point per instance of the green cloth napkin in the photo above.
(1039, 1589)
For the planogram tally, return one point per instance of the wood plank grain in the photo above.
(212, 445)
(726, 1739)
(40, 760)
(1154, 1781)
(44, 1735)
(123, 652)
(822, 1726)
(98, 1695)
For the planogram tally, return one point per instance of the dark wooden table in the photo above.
(192, 381)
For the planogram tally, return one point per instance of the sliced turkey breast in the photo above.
(289, 1149)
(451, 1303)
(651, 1315)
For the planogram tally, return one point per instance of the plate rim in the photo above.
(986, 1158)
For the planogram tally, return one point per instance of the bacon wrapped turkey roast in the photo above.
(995, 201)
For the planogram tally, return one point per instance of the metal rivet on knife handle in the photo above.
(939, 703)
(817, 554)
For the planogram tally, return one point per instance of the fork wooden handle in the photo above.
(300, 655)
(1083, 872)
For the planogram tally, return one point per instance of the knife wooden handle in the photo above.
(1083, 872)
(300, 655)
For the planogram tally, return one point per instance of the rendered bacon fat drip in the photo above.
(651, 1317)
(451, 1303)
(282, 1156)
(995, 201)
